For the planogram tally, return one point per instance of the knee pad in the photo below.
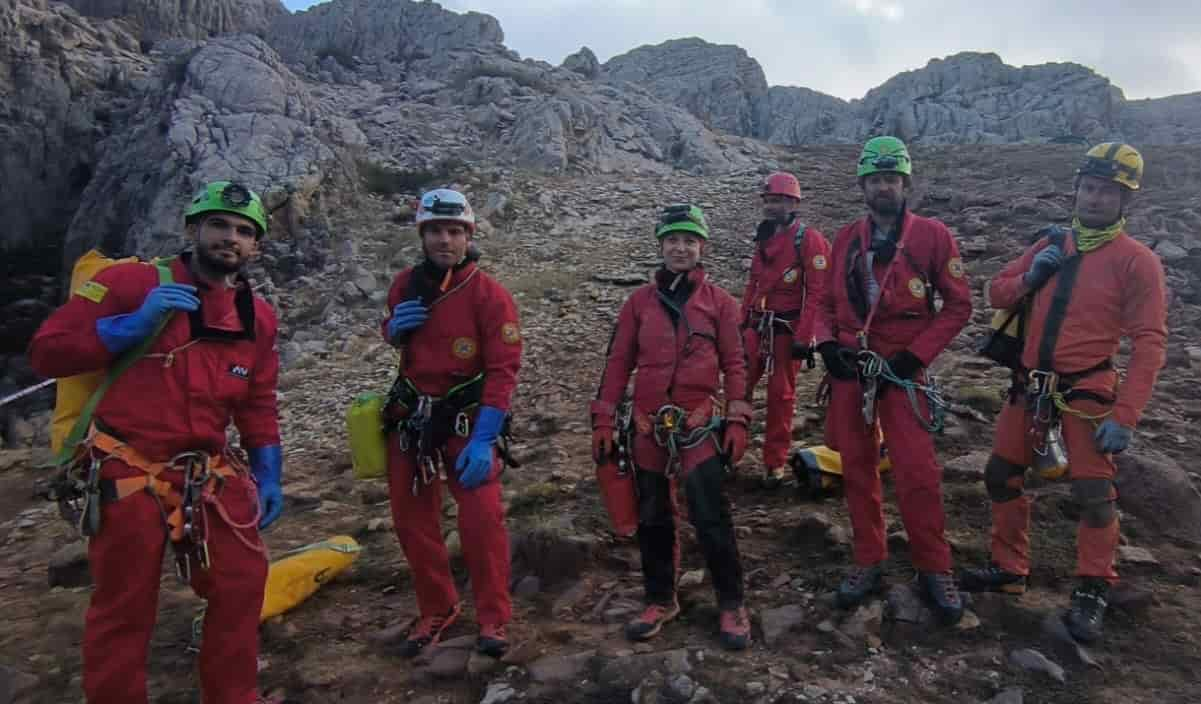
(1095, 498)
(1003, 479)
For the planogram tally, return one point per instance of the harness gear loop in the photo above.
(425, 424)
(81, 492)
(625, 437)
(873, 368)
(668, 432)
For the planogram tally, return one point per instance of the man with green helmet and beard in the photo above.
(878, 313)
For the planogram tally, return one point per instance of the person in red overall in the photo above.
(214, 361)
(460, 343)
(679, 337)
(1112, 286)
(884, 271)
(788, 275)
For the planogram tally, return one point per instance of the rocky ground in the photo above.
(571, 249)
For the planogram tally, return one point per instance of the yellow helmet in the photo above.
(1113, 161)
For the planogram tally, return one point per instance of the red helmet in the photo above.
(782, 183)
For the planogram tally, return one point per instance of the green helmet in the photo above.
(682, 217)
(884, 155)
(228, 197)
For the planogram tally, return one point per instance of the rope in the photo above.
(670, 420)
(873, 366)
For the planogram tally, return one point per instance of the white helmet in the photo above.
(447, 205)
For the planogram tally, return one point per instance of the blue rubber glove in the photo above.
(1045, 264)
(475, 461)
(120, 332)
(1113, 437)
(406, 316)
(267, 466)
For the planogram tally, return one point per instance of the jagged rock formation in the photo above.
(222, 109)
(61, 78)
(193, 19)
(969, 97)
(381, 31)
(583, 62)
(720, 84)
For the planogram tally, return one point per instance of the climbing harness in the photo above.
(873, 369)
(425, 423)
(80, 493)
(669, 433)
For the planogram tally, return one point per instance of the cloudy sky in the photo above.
(845, 47)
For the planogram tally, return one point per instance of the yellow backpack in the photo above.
(73, 391)
(77, 396)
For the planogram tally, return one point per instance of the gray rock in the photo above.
(721, 85)
(1034, 661)
(1136, 555)
(865, 621)
(1013, 695)
(162, 19)
(502, 692)
(381, 31)
(905, 605)
(227, 108)
(527, 587)
(627, 672)
(16, 685)
(448, 663)
(776, 622)
(1157, 490)
(69, 566)
(560, 668)
(1170, 252)
(583, 62)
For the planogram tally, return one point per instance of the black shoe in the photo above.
(992, 579)
(1085, 618)
(944, 595)
(858, 584)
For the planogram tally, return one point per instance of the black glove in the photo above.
(839, 360)
(804, 352)
(905, 364)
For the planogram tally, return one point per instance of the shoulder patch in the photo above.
(955, 267)
(917, 288)
(93, 291)
(790, 276)
(819, 262)
(463, 347)
(510, 333)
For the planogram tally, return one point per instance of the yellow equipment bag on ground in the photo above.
(368, 443)
(72, 392)
(819, 469)
(296, 575)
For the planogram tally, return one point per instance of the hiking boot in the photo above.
(858, 584)
(651, 621)
(944, 595)
(493, 641)
(735, 628)
(1086, 616)
(427, 630)
(992, 579)
(773, 477)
